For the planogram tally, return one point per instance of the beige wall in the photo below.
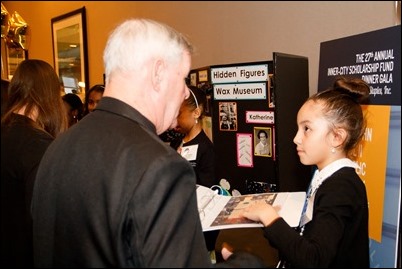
(223, 32)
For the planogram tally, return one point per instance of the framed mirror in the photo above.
(69, 36)
(14, 57)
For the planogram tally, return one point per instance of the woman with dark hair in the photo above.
(74, 106)
(33, 117)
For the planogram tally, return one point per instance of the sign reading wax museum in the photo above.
(237, 74)
(373, 57)
(244, 91)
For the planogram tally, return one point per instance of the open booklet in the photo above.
(223, 212)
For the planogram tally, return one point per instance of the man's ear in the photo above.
(158, 72)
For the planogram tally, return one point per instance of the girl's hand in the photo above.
(261, 211)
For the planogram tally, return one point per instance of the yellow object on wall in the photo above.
(372, 161)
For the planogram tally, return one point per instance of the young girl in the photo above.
(201, 156)
(93, 96)
(189, 123)
(333, 229)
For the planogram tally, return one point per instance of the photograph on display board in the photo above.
(193, 79)
(262, 141)
(227, 116)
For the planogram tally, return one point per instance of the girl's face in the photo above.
(186, 119)
(313, 137)
(93, 100)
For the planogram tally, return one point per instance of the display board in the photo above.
(291, 87)
(254, 141)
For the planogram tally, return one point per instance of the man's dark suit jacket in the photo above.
(110, 193)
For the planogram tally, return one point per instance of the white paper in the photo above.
(223, 212)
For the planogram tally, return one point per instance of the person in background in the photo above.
(189, 123)
(34, 115)
(92, 98)
(262, 148)
(74, 107)
(200, 152)
(118, 196)
(333, 229)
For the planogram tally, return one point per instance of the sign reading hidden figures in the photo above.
(373, 57)
(240, 82)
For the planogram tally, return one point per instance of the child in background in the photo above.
(197, 148)
(92, 98)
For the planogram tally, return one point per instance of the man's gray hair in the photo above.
(136, 41)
